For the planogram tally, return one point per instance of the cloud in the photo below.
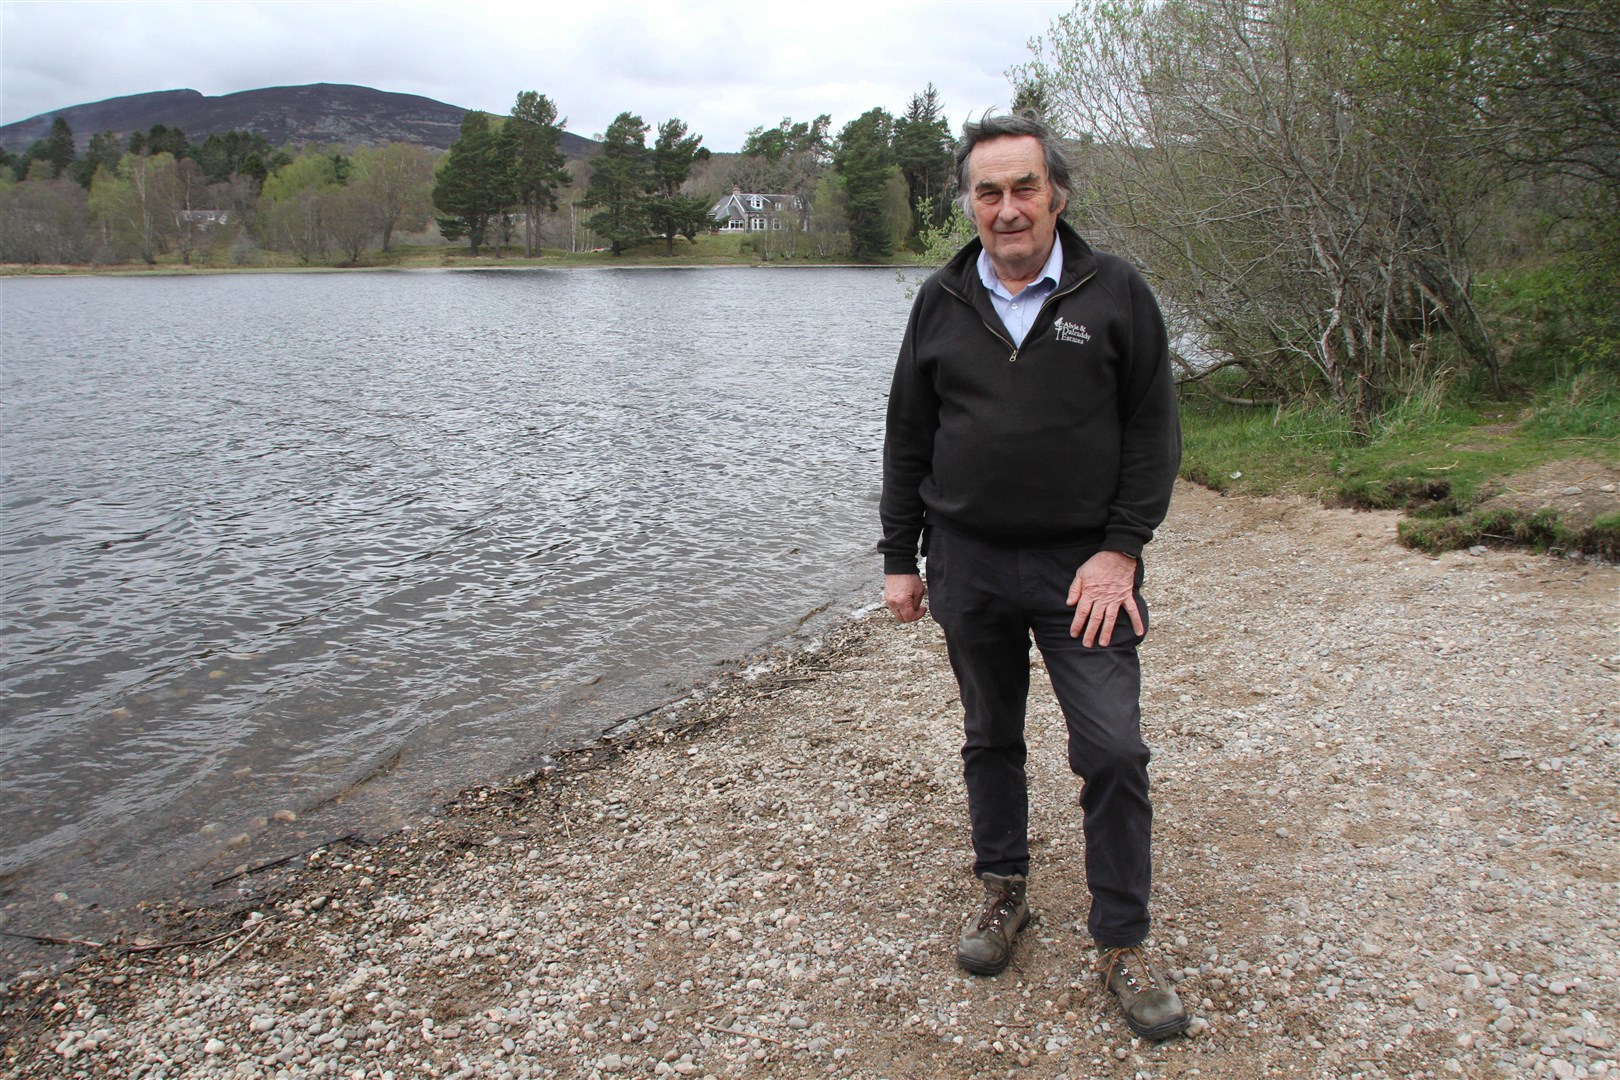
(724, 67)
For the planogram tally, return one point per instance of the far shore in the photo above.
(482, 262)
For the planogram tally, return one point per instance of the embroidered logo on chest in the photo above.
(1073, 333)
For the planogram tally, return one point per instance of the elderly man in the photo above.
(1032, 443)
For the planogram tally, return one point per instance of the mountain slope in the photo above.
(316, 113)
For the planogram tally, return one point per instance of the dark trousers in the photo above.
(989, 600)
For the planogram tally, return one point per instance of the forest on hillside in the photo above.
(234, 200)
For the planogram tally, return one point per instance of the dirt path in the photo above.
(1388, 796)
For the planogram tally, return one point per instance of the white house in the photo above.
(750, 211)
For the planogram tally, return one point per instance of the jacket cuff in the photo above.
(1124, 544)
(899, 564)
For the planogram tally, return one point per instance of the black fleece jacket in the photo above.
(1070, 438)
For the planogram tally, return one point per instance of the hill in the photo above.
(316, 113)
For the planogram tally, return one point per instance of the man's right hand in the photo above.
(904, 595)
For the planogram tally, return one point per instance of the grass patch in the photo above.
(1450, 445)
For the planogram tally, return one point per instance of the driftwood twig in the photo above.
(46, 939)
(348, 838)
(258, 928)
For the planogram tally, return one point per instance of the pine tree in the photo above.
(59, 149)
(474, 184)
(618, 187)
(668, 211)
(922, 148)
(865, 162)
(532, 142)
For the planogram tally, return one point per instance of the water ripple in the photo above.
(261, 533)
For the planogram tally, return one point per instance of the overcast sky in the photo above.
(721, 66)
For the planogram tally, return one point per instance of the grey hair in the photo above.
(1000, 127)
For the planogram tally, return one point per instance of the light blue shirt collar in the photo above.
(1017, 312)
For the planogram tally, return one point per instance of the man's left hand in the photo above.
(1103, 585)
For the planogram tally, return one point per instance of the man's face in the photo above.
(1014, 207)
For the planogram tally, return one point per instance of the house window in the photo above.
(756, 203)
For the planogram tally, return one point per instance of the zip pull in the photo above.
(1013, 359)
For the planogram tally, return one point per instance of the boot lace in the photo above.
(998, 910)
(1127, 965)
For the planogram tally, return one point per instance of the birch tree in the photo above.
(1305, 214)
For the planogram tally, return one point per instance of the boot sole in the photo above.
(1161, 1031)
(978, 967)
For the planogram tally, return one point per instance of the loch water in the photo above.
(285, 555)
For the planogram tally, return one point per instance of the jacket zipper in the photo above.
(1055, 294)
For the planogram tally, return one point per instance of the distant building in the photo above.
(206, 219)
(751, 211)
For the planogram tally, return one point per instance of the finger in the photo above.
(1079, 621)
(1094, 623)
(1109, 621)
(1136, 617)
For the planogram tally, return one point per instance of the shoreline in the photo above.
(1386, 788)
(359, 815)
(20, 270)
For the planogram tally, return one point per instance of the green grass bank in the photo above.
(718, 249)
(1536, 465)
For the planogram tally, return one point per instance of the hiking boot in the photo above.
(1152, 1008)
(987, 939)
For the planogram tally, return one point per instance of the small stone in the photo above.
(285, 816)
(1478, 549)
(1561, 1069)
(1573, 489)
(213, 1047)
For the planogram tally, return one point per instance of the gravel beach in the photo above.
(1387, 845)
